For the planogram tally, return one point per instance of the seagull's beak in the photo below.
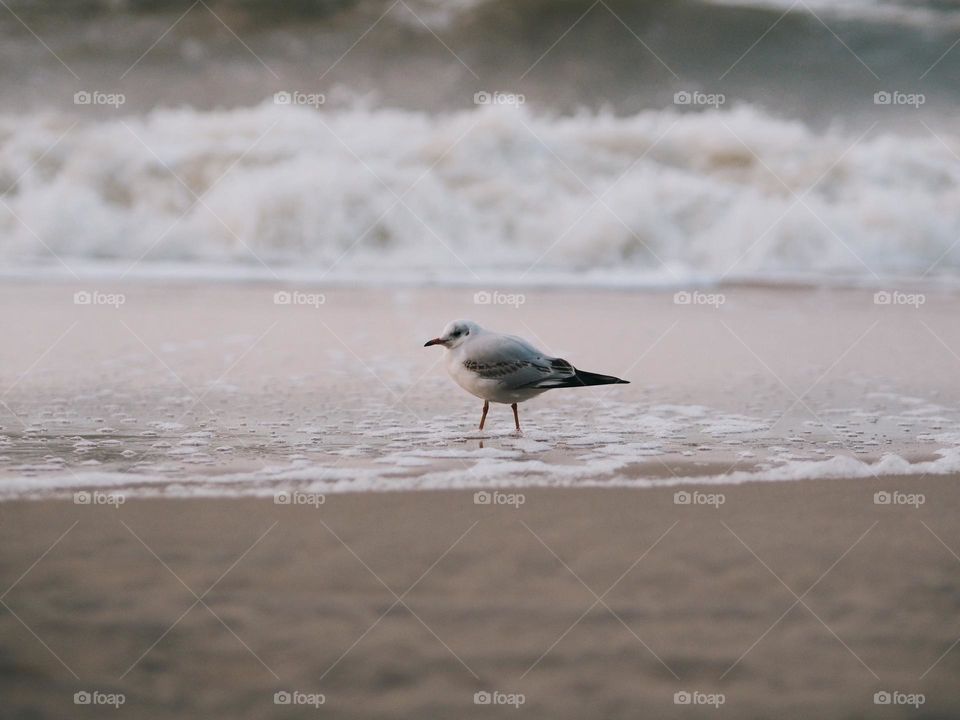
(435, 341)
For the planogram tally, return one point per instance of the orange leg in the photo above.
(483, 418)
(516, 416)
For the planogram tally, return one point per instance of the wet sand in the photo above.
(201, 388)
(494, 598)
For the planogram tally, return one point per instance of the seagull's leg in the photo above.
(516, 417)
(483, 418)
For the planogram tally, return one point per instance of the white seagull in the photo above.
(505, 368)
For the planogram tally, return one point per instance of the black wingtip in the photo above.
(582, 378)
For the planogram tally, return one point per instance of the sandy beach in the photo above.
(237, 479)
(795, 599)
(209, 503)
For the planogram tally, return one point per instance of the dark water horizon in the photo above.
(819, 62)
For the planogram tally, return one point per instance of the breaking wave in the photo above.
(503, 191)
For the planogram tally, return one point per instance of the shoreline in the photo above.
(196, 274)
(647, 477)
(215, 387)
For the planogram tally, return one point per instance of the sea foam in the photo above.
(496, 192)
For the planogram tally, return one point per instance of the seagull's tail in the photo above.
(582, 378)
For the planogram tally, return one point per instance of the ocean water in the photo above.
(654, 143)
(493, 192)
(102, 446)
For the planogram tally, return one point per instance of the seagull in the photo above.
(505, 368)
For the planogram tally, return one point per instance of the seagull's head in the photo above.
(455, 333)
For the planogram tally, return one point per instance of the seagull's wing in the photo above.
(515, 363)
